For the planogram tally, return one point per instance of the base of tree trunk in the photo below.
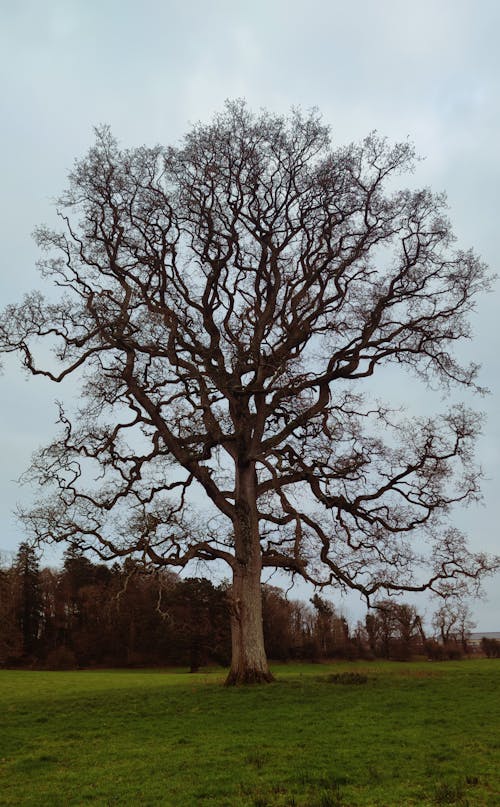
(242, 677)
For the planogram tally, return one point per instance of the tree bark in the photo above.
(248, 662)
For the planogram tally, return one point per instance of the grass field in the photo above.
(410, 734)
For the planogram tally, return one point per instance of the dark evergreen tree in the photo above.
(11, 639)
(201, 614)
(278, 624)
(29, 600)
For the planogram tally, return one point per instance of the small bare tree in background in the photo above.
(222, 303)
(452, 622)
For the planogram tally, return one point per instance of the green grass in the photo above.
(410, 734)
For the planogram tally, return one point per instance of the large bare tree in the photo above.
(221, 303)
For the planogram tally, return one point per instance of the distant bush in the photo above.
(435, 651)
(490, 647)
(454, 652)
(347, 678)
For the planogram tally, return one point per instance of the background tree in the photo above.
(452, 622)
(29, 598)
(278, 619)
(221, 303)
(199, 611)
(331, 632)
(11, 637)
(394, 630)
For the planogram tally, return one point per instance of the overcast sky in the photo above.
(429, 71)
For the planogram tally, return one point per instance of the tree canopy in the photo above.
(223, 303)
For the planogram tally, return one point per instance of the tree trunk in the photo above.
(248, 662)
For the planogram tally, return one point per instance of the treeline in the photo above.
(87, 614)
